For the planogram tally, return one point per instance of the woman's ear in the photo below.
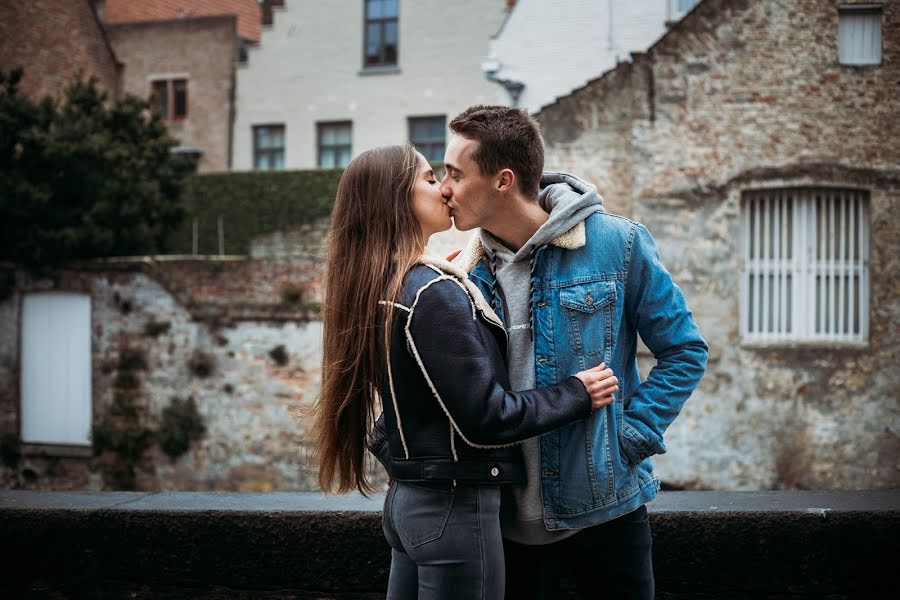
(506, 179)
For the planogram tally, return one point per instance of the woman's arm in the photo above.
(451, 352)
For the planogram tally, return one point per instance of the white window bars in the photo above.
(805, 265)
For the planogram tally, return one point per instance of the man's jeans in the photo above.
(609, 561)
(445, 541)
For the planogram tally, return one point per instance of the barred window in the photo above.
(805, 265)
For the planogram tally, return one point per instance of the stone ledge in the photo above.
(307, 545)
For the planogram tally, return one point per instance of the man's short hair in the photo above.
(508, 138)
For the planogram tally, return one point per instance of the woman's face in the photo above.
(427, 202)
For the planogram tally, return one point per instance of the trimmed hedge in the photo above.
(251, 204)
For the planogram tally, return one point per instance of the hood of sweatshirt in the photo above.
(568, 199)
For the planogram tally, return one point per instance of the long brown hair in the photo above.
(374, 240)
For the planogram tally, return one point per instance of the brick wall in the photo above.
(55, 41)
(742, 95)
(202, 50)
(233, 310)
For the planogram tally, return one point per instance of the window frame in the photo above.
(383, 63)
(431, 141)
(169, 84)
(846, 10)
(321, 126)
(257, 151)
(811, 274)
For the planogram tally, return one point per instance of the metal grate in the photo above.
(805, 265)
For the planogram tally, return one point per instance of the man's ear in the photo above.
(506, 180)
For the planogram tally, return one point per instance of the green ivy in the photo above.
(251, 204)
(181, 424)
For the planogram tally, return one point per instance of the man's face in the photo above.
(470, 194)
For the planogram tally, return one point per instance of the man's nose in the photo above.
(446, 191)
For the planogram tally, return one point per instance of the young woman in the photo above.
(411, 333)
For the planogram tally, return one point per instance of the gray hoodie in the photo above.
(569, 201)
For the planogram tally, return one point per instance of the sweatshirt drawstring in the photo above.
(531, 256)
(495, 294)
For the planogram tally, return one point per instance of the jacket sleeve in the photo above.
(444, 339)
(656, 308)
(377, 443)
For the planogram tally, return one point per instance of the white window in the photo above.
(56, 369)
(859, 34)
(806, 265)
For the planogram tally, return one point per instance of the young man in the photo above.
(575, 286)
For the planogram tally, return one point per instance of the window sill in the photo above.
(818, 345)
(861, 65)
(385, 70)
(60, 450)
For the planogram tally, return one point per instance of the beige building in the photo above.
(186, 67)
(329, 81)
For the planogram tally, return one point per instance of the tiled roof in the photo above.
(129, 11)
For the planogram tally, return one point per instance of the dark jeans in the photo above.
(610, 561)
(445, 542)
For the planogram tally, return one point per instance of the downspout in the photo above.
(490, 67)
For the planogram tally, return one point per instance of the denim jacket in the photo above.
(594, 291)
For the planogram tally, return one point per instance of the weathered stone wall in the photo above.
(202, 50)
(232, 311)
(55, 41)
(746, 95)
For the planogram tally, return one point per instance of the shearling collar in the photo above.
(453, 270)
(572, 239)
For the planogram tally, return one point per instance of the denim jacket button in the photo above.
(495, 472)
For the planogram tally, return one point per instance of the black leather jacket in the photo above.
(448, 412)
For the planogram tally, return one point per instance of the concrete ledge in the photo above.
(301, 545)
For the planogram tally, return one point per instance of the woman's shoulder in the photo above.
(438, 284)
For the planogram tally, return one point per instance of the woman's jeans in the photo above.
(445, 541)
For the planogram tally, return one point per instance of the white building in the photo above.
(329, 80)
(544, 50)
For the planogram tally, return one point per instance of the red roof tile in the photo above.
(129, 11)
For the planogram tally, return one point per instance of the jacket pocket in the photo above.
(588, 314)
(420, 514)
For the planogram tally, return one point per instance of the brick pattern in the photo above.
(129, 11)
(256, 411)
(55, 41)
(739, 95)
(203, 49)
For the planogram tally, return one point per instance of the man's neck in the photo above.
(517, 226)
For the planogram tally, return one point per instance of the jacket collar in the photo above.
(572, 239)
(454, 271)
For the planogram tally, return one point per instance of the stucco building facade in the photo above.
(326, 84)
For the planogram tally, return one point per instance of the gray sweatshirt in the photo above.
(569, 201)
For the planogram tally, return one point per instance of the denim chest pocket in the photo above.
(588, 314)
